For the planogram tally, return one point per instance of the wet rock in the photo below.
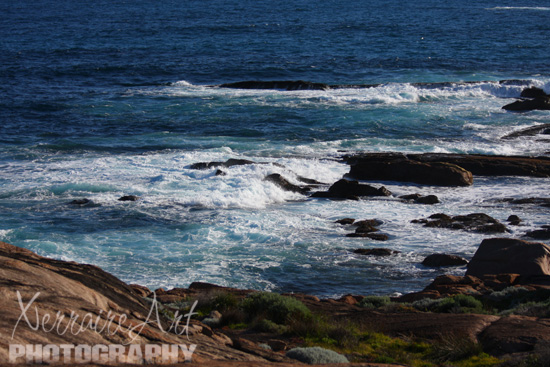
(229, 163)
(376, 251)
(283, 183)
(428, 200)
(440, 260)
(538, 103)
(536, 201)
(219, 172)
(129, 198)
(508, 255)
(280, 85)
(81, 202)
(345, 221)
(539, 234)
(368, 222)
(514, 220)
(482, 165)
(530, 131)
(533, 92)
(398, 167)
(410, 197)
(476, 222)
(372, 236)
(344, 189)
(308, 181)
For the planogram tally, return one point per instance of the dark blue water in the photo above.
(109, 98)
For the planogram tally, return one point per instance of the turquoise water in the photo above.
(120, 98)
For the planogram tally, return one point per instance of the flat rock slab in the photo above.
(477, 164)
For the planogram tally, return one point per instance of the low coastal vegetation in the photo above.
(317, 335)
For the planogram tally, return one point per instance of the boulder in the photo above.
(515, 334)
(390, 167)
(345, 189)
(345, 221)
(439, 260)
(129, 198)
(539, 103)
(508, 255)
(539, 234)
(533, 92)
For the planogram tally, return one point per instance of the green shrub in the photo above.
(316, 355)
(460, 304)
(374, 301)
(270, 327)
(427, 304)
(274, 307)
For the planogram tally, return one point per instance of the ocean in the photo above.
(110, 98)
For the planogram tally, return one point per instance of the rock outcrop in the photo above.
(507, 255)
(398, 167)
(482, 165)
(105, 311)
(475, 222)
(281, 84)
(543, 129)
(346, 189)
(538, 103)
(284, 184)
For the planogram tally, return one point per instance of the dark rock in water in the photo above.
(476, 222)
(308, 181)
(514, 220)
(397, 167)
(369, 222)
(366, 228)
(376, 251)
(281, 85)
(537, 201)
(129, 198)
(512, 256)
(229, 163)
(410, 197)
(429, 200)
(539, 234)
(483, 165)
(533, 92)
(81, 202)
(345, 221)
(539, 103)
(283, 183)
(530, 131)
(439, 260)
(344, 189)
(220, 173)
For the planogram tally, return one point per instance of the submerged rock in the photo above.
(530, 131)
(376, 251)
(283, 183)
(345, 189)
(345, 221)
(229, 163)
(281, 84)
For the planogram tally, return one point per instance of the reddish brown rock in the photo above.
(507, 255)
(514, 334)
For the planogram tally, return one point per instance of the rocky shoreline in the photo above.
(85, 289)
(497, 313)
